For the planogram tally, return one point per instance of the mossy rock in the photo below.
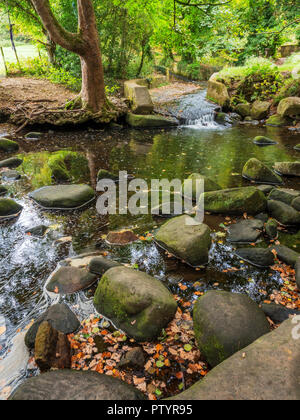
(225, 323)
(9, 208)
(260, 110)
(277, 121)
(264, 141)
(297, 147)
(104, 174)
(235, 201)
(209, 185)
(3, 190)
(12, 162)
(187, 241)
(283, 213)
(150, 121)
(283, 194)
(288, 168)
(289, 107)
(8, 146)
(243, 109)
(257, 171)
(137, 303)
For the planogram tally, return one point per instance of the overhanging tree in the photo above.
(86, 44)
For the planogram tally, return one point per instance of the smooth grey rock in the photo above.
(12, 162)
(259, 257)
(68, 280)
(286, 255)
(246, 231)
(296, 204)
(283, 213)
(99, 265)
(283, 194)
(10, 175)
(278, 313)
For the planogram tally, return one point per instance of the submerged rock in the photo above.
(283, 213)
(257, 171)
(137, 303)
(63, 197)
(59, 317)
(133, 358)
(278, 313)
(150, 121)
(8, 146)
(185, 240)
(12, 162)
(68, 280)
(264, 141)
(235, 201)
(267, 368)
(247, 231)
(259, 257)
(288, 168)
(9, 208)
(225, 323)
(283, 194)
(73, 385)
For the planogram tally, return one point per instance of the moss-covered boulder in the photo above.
(283, 213)
(296, 203)
(209, 185)
(285, 195)
(69, 385)
(65, 165)
(8, 146)
(235, 201)
(68, 280)
(63, 197)
(184, 239)
(138, 95)
(3, 190)
(243, 109)
(225, 323)
(264, 141)
(260, 110)
(277, 120)
(137, 303)
(288, 168)
(9, 208)
(105, 174)
(150, 121)
(289, 107)
(12, 162)
(257, 171)
(267, 368)
(272, 229)
(217, 92)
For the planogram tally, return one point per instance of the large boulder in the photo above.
(8, 146)
(283, 213)
(268, 368)
(73, 385)
(217, 92)
(187, 241)
(260, 110)
(139, 97)
(288, 168)
(285, 195)
(225, 323)
(68, 280)
(235, 201)
(137, 303)
(257, 171)
(150, 121)
(289, 107)
(243, 109)
(12, 162)
(59, 317)
(63, 197)
(9, 208)
(259, 257)
(246, 231)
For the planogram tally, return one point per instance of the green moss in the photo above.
(9, 207)
(277, 121)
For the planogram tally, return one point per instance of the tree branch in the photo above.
(201, 4)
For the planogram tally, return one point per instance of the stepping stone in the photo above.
(186, 241)
(263, 141)
(247, 231)
(257, 171)
(66, 385)
(225, 323)
(68, 280)
(13, 162)
(8, 146)
(278, 313)
(59, 317)
(283, 213)
(10, 175)
(9, 208)
(284, 194)
(63, 197)
(287, 168)
(258, 257)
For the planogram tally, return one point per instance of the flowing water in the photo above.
(200, 145)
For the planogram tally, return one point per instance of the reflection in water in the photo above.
(26, 262)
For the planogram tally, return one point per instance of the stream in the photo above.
(199, 145)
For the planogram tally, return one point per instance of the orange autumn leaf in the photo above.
(179, 375)
(104, 332)
(159, 348)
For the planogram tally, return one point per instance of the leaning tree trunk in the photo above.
(85, 43)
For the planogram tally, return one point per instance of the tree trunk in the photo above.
(85, 43)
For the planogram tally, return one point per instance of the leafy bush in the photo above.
(291, 87)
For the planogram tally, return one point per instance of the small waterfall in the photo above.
(194, 111)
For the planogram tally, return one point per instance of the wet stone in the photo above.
(258, 257)
(247, 231)
(68, 280)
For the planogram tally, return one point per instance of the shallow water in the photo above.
(219, 152)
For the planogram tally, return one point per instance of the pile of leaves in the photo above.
(172, 363)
